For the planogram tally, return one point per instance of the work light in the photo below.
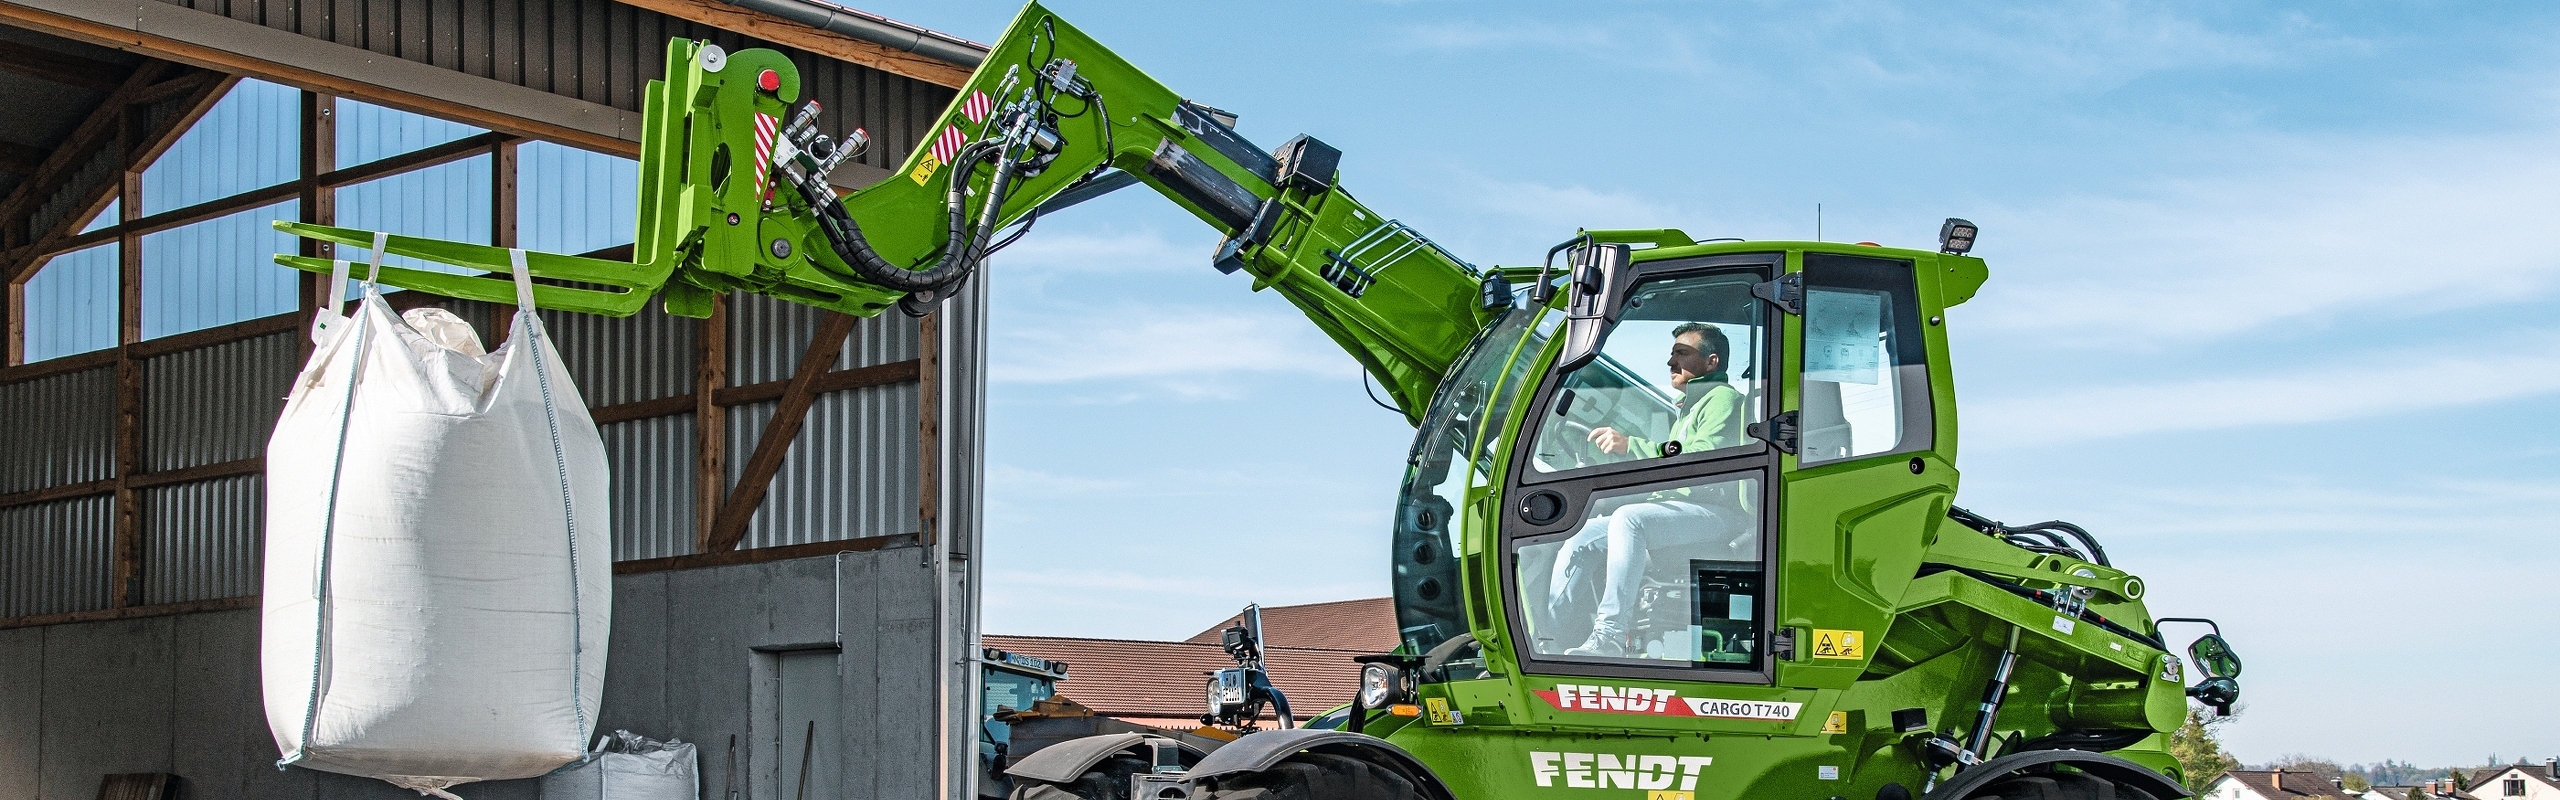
(1956, 236)
(1381, 685)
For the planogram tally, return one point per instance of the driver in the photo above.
(1711, 417)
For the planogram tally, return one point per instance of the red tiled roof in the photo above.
(1368, 626)
(2297, 784)
(1125, 679)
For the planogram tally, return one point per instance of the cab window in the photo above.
(1666, 574)
(1679, 375)
(1866, 374)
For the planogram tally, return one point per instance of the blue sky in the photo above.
(2271, 306)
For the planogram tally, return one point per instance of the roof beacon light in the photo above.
(1956, 236)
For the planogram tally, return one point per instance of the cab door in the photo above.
(1638, 534)
(1861, 438)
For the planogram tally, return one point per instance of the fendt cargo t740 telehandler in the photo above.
(1747, 581)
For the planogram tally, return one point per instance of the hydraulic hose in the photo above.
(964, 246)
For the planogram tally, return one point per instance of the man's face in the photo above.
(1688, 360)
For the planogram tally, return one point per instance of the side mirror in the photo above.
(2213, 655)
(1598, 275)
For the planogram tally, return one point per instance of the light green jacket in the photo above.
(1711, 416)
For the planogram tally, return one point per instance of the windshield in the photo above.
(1453, 453)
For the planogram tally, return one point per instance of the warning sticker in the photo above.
(1838, 722)
(1839, 644)
(1438, 708)
(925, 167)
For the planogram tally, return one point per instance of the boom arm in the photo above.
(733, 197)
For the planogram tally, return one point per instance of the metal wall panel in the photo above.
(644, 356)
(86, 183)
(57, 557)
(653, 468)
(71, 303)
(215, 404)
(59, 429)
(202, 540)
(217, 272)
(851, 472)
(767, 337)
(233, 148)
(599, 51)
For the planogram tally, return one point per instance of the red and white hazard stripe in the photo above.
(978, 107)
(764, 150)
(948, 144)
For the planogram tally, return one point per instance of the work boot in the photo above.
(1606, 641)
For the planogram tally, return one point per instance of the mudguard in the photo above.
(1258, 751)
(1066, 761)
(2098, 764)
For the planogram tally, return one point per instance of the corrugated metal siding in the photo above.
(59, 429)
(574, 201)
(217, 272)
(57, 557)
(367, 132)
(233, 148)
(967, 427)
(653, 469)
(851, 472)
(85, 183)
(781, 331)
(447, 201)
(644, 356)
(201, 541)
(71, 304)
(215, 404)
(599, 51)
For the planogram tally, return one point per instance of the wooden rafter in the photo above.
(62, 68)
(756, 478)
(101, 127)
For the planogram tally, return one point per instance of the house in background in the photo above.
(2516, 782)
(2276, 784)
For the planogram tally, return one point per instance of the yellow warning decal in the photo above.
(925, 167)
(1664, 794)
(1838, 722)
(1839, 644)
(1438, 708)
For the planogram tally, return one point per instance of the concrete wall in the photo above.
(691, 658)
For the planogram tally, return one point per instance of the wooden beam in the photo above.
(97, 130)
(929, 426)
(446, 153)
(315, 203)
(710, 421)
(131, 612)
(62, 68)
(821, 42)
(184, 35)
(756, 478)
(180, 85)
(19, 159)
(732, 397)
(759, 555)
(126, 590)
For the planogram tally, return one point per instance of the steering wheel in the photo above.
(1583, 452)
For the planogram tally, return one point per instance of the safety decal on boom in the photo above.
(764, 150)
(948, 144)
(1662, 702)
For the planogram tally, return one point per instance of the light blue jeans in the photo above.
(1629, 536)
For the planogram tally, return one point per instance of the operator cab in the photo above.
(1639, 531)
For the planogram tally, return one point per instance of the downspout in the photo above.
(874, 29)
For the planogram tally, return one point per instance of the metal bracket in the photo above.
(1780, 431)
(1787, 293)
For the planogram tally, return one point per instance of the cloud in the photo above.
(2382, 229)
(1182, 348)
(2327, 394)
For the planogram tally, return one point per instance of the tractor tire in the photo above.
(1108, 780)
(1318, 776)
(2058, 785)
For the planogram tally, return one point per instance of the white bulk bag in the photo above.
(439, 572)
(628, 767)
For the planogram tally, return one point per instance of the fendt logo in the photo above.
(1665, 702)
(1661, 777)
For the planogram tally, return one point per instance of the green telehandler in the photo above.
(1748, 580)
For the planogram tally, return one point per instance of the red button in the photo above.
(769, 81)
